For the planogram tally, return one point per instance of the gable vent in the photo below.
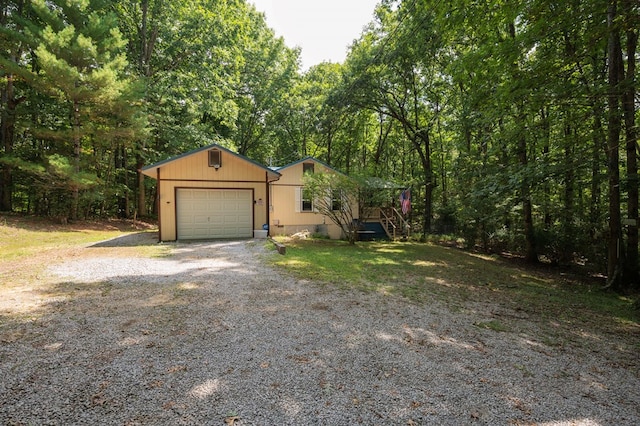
(215, 158)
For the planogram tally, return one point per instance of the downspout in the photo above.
(159, 205)
(268, 203)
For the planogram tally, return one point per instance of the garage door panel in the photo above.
(214, 213)
(198, 195)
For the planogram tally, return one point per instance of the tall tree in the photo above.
(81, 61)
(267, 74)
(395, 73)
(188, 56)
(12, 48)
(631, 21)
(141, 23)
(615, 245)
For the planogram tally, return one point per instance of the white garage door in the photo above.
(214, 213)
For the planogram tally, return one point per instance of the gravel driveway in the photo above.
(211, 335)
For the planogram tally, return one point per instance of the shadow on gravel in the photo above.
(130, 240)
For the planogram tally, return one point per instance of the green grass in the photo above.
(22, 238)
(424, 272)
(494, 325)
(17, 243)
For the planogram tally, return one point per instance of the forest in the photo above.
(513, 123)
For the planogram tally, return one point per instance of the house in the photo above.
(212, 192)
(293, 207)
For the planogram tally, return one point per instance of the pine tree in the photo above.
(10, 52)
(81, 62)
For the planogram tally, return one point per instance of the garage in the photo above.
(210, 193)
(214, 213)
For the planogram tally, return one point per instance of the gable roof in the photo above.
(306, 160)
(151, 170)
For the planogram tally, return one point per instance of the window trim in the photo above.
(308, 201)
(337, 202)
(299, 201)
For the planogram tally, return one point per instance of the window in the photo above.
(307, 201)
(215, 158)
(307, 168)
(304, 200)
(336, 200)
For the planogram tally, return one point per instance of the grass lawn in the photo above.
(427, 272)
(27, 236)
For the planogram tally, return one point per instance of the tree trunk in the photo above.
(568, 243)
(628, 102)
(120, 165)
(615, 256)
(6, 138)
(147, 36)
(531, 253)
(425, 158)
(75, 200)
(599, 144)
(141, 202)
(546, 135)
(8, 118)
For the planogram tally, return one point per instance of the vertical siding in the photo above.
(194, 172)
(196, 167)
(284, 218)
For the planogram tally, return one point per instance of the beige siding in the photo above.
(286, 217)
(194, 172)
(277, 203)
(196, 167)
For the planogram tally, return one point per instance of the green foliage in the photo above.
(78, 104)
(338, 197)
(112, 86)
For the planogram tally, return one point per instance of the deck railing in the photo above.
(388, 225)
(392, 221)
(405, 224)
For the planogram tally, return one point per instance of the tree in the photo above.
(631, 19)
(267, 74)
(188, 57)
(393, 72)
(615, 263)
(12, 49)
(338, 197)
(81, 61)
(141, 23)
(68, 60)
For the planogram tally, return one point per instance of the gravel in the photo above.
(211, 335)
